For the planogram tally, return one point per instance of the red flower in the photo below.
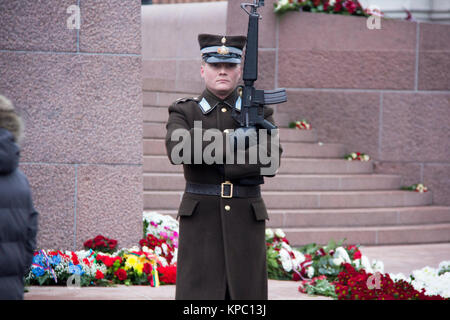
(337, 6)
(316, 2)
(88, 243)
(121, 274)
(350, 6)
(168, 275)
(295, 276)
(352, 284)
(74, 258)
(99, 275)
(147, 268)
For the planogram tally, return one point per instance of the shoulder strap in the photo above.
(180, 100)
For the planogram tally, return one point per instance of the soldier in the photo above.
(222, 252)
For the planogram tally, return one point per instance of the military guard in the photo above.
(222, 251)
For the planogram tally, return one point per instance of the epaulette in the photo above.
(196, 99)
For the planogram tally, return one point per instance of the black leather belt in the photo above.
(225, 190)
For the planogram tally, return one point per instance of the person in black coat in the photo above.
(18, 218)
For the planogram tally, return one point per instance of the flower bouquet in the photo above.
(161, 236)
(354, 284)
(57, 267)
(345, 7)
(419, 187)
(357, 156)
(101, 243)
(302, 125)
(287, 263)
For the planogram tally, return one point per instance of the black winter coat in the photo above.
(18, 221)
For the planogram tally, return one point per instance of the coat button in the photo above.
(224, 109)
(227, 208)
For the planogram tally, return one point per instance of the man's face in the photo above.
(221, 78)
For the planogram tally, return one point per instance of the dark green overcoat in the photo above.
(221, 240)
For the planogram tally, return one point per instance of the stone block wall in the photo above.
(384, 92)
(80, 94)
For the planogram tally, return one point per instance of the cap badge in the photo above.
(223, 49)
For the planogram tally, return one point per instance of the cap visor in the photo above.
(222, 60)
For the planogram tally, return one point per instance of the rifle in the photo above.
(253, 100)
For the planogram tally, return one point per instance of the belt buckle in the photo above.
(222, 188)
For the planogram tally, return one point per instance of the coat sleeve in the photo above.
(239, 171)
(180, 138)
(30, 244)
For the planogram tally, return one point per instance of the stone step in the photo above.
(290, 149)
(155, 114)
(291, 182)
(309, 199)
(352, 217)
(288, 166)
(376, 235)
(363, 217)
(157, 130)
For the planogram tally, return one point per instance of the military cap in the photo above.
(217, 48)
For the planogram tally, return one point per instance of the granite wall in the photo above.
(79, 91)
(384, 92)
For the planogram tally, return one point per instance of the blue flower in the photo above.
(38, 259)
(38, 271)
(55, 260)
(75, 269)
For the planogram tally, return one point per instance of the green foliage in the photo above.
(322, 288)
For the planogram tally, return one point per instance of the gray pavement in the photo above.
(396, 259)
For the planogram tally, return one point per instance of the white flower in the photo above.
(269, 233)
(163, 261)
(134, 248)
(444, 265)
(299, 257)
(279, 233)
(158, 251)
(147, 249)
(378, 265)
(340, 252)
(331, 3)
(286, 246)
(366, 157)
(399, 276)
(164, 248)
(427, 278)
(285, 259)
(310, 272)
(365, 263)
(353, 155)
(338, 261)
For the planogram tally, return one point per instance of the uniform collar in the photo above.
(208, 101)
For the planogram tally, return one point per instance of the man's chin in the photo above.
(222, 90)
